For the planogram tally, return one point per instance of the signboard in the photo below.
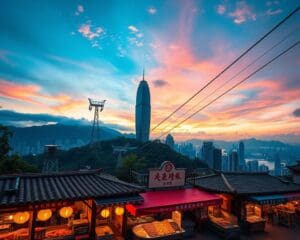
(166, 176)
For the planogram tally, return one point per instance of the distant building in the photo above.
(170, 141)
(225, 161)
(263, 168)
(142, 112)
(187, 149)
(208, 153)
(295, 172)
(217, 159)
(234, 161)
(252, 166)
(277, 165)
(242, 155)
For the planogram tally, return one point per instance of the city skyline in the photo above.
(54, 59)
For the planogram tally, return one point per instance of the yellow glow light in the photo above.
(44, 215)
(119, 211)
(105, 213)
(66, 212)
(21, 217)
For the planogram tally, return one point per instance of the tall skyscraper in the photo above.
(242, 155)
(170, 141)
(233, 161)
(225, 161)
(217, 159)
(208, 153)
(142, 112)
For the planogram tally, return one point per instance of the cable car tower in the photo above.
(51, 161)
(99, 106)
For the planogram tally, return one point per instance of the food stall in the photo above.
(221, 221)
(160, 216)
(254, 220)
(62, 206)
(111, 216)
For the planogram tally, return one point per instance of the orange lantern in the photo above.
(66, 212)
(21, 217)
(105, 213)
(11, 217)
(44, 215)
(119, 211)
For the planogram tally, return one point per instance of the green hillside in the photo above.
(101, 155)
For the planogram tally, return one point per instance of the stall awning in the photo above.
(171, 200)
(293, 196)
(269, 199)
(135, 199)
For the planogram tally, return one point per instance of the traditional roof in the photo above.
(245, 183)
(68, 186)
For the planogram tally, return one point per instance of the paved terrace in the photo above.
(272, 233)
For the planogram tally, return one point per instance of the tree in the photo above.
(5, 135)
(11, 163)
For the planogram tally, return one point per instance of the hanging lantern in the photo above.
(104, 213)
(10, 217)
(66, 212)
(21, 217)
(119, 211)
(44, 215)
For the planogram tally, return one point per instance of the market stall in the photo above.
(111, 216)
(160, 215)
(221, 221)
(62, 206)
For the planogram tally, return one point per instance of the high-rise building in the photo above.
(242, 155)
(170, 141)
(277, 165)
(142, 112)
(208, 153)
(252, 166)
(217, 158)
(225, 161)
(233, 161)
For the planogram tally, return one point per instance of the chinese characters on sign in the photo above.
(166, 176)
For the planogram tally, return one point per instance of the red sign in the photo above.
(166, 176)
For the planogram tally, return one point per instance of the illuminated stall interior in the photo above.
(61, 205)
(249, 199)
(160, 215)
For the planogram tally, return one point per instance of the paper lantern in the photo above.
(119, 211)
(104, 213)
(44, 215)
(21, 217)
(11, 217)
(66, 212)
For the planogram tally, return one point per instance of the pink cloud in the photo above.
(221, 9)
(242, 13)
(87, 32)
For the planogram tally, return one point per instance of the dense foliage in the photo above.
(102, 155)
(11, 163)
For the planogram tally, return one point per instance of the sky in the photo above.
(55, 54)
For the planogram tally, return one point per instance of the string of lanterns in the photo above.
(105, 212)
(65, 212)
(42, 215)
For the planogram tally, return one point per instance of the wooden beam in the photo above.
(32, 225)
(93, 220)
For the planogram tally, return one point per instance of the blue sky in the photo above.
(56, 54)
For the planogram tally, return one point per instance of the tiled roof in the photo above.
(245, 183)
(39, 188)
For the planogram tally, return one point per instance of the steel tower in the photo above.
(99, 106)
(51, 162)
